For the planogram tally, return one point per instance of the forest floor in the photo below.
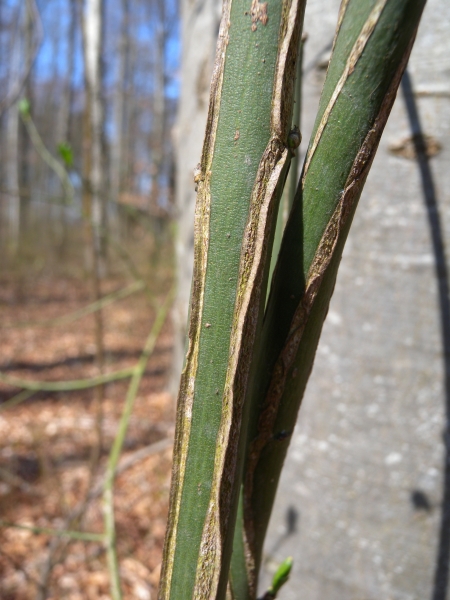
(49, 441)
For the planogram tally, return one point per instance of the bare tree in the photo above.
(159, 116)
(12, 147)
(63, 124)
(116, 168)
(94, 122)
(93, 182)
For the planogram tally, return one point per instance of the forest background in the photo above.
(370, 442)
(88, 101)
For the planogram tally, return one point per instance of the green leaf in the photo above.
(66, 153)
(281, 576)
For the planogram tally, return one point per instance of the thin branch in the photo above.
(108, 489)
(41, 149)
(75, 515)
(84, 536)
(142, 454)
(17, 399)
(137, 286)
(66, 386)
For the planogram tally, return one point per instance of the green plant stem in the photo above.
(287, 198)
(243, 167)
(54, 164)
(17, 399)
(371, 49)
(116, 449)
(83, 536)
(134, 287)
(66, 386)
(293, 179)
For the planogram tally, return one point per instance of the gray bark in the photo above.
(200, 21)
(159, 105)
(63, 124)
(12, 151)
(93, 36)
(119, 105)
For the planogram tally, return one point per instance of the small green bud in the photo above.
(24, 107)
(281, 576)
(66, 153)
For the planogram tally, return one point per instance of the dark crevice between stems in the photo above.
(441, 573)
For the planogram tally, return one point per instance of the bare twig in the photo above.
(17, 399)
(84, 536)
(108, 490)
(41, 149)
(95, 491)
(66, 386)
(137, 286)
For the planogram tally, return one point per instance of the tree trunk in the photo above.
(93, 184)
(92, 38)
(12, 153)
(116, 167)
(159, 106)
(63, 124)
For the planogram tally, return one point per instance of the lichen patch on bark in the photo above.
(258, 12)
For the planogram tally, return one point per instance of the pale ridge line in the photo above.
(355, 55)
(202, 223)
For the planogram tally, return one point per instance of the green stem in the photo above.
(66, 386)
(17, 399)
(371, 50)
(134, 287)
(83, 536)
(292, 179)
(116, 449)
(243, 167)
(54, 164)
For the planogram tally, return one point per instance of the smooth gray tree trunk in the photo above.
(92, 43)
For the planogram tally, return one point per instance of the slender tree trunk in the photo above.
(12, 154)
(93, 206)
(25, 145)
(370, 52)
(65, 112)
(129, 111)
(159, 105)
(116, 167)
(93, 36)
(65, 105)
